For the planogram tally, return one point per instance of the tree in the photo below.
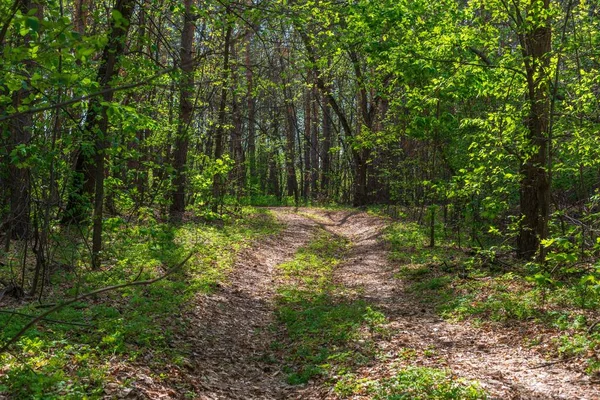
(186, 109)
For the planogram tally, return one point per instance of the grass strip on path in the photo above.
(324, 331)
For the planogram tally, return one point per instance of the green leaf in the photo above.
(33, 24)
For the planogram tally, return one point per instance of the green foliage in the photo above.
(413, 383)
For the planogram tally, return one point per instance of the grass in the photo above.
(412, 383)
(54, 361)
(330, 336)
(324, 330)
(470, 286)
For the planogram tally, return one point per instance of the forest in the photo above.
(300, 199)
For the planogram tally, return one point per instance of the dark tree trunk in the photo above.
(19, 221)
(361, 157)
(306, 187)
(186, 110)
(89, 170)
(18, 177)
(360, 179)
(314, 146)
(290, 116)
(273, 168)
(290, 153)
(326, 156)
(80, 16)
(237, 149)
(535, 185)
(251, 103)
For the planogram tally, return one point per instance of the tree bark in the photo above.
(19, 221)
(314, 147)
(251, 104)
(535, 186)
(220, 131)
(186, 110)
(326, 156)
(306, 187)
(97, 120)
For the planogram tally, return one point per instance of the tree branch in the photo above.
(100, 92)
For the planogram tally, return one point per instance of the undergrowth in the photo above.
(476, 285)
(61, 361)
(412, 383)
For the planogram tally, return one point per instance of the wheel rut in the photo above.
(505, 371)
(232, 335)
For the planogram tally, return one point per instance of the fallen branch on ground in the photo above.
(54, 321)
(59, 306)
(547, 364)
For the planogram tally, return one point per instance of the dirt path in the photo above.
(232, 337)
(231, 328)
(505, 371)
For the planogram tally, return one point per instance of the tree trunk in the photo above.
(80, 16)
(220, 131)
(186, 110)
(314, 147)
(306, 187)
(290, 153)
(89, 171)
(251, 103)
(97, 120)
(535, 185)
(360, 179)
(326, 156)
(19, 222)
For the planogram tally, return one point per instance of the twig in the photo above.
(54, 321)
(552, 363)
(92, 293)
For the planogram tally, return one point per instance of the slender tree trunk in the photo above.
(237, 150)
(290, 116)
(220, 131)
(314, 147)
(251, 104)
(19, 221)
(326, 156)
(80, 16)
(186, 110)
(290, 152)
(306, 187)
(361, 156)
(89, 171)
(273, 187)
(97, 121)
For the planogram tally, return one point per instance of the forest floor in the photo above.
(241, 343)
(319, 304)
